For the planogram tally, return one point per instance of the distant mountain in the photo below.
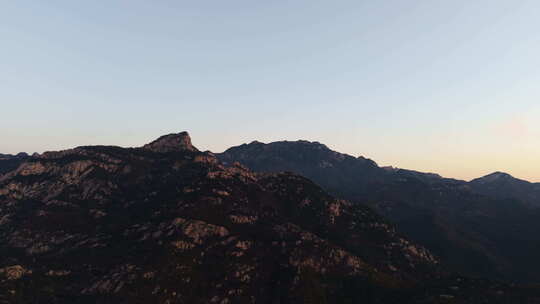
(167, 223)
(337, 172)
(471, 232)
(11, 162)
(504, 186)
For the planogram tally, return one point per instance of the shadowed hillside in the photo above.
(473, 229)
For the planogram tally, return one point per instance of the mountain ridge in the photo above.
(168, 223)
(502, 185)
(458, 217)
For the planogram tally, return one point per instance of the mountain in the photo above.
(339, 173)
(166, 223)
(504, 186)
(472, 233)
(10, 162)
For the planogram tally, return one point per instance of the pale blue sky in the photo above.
(444, 86)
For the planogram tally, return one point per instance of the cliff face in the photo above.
(171, 143)
(166, 223)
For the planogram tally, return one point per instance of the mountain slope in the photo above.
(339, 173)
(11, 162)
(504, 186)
(472, 233)
(166, 223)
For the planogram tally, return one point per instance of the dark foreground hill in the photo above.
(479, 228)
(166, 223)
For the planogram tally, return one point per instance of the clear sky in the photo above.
(445, 86)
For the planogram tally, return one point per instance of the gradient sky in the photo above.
(444, 86)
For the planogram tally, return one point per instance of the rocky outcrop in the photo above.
(171, 143)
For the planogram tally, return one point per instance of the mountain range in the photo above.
(485, 227)
(167, 223)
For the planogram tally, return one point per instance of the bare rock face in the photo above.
(171, 143)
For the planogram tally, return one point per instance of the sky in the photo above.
(442, 86)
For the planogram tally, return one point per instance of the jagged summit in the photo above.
(174, 142)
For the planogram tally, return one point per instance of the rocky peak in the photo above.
(171, 143)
